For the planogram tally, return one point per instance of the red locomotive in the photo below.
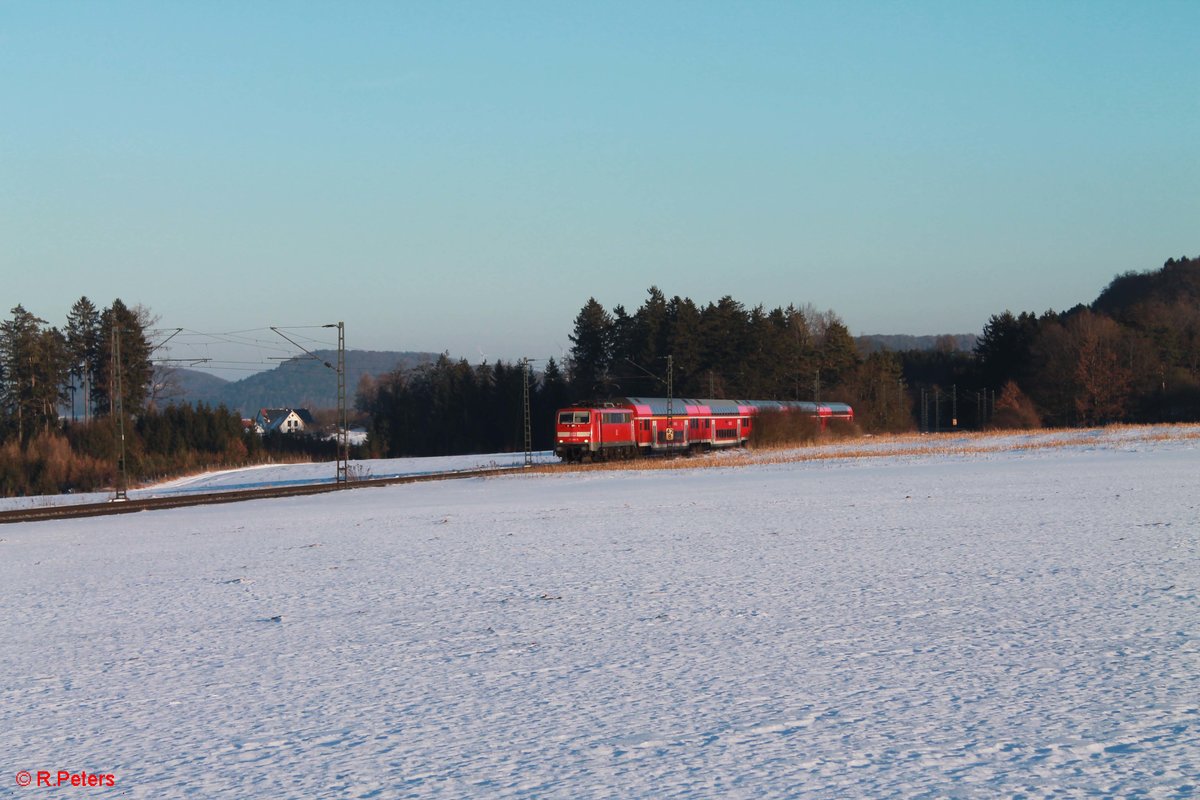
(632, 426)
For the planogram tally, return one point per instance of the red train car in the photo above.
(632, 426)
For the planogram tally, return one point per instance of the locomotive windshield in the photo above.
(577, 417)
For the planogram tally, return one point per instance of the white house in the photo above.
(287, 420)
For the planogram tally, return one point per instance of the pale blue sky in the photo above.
(463, 176)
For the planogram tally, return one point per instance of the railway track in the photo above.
(110, 508)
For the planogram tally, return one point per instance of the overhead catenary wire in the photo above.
(241, 350)
(343, 461)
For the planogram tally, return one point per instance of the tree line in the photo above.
(42, 367)
(724, 349)
(1132, 355)
(719, 350)
(449, 407)
(102, 358)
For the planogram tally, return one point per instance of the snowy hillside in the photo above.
(984, 622)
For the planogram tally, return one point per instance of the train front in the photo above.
(575, 436)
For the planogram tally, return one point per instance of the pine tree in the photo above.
(136, 367)
(34, 361)
(838, 354)
(621, 347)
(551, 394)
(683, 343)
(591, 353)
(724, 329)
(764, 355)
(83, 344)
(1004, 349)
(650, 330)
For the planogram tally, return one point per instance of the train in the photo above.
(634, 426)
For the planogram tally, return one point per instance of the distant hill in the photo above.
(174, 382)
(1143, 294)
(898, 342)
(299, 382)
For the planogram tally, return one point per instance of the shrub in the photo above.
(781, 428)
(1014, 410)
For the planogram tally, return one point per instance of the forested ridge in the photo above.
(1132, 355)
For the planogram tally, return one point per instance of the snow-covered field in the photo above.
(991, 622)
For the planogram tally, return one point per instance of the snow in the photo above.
(266, 475)
(1002, 620)
(294, 474)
